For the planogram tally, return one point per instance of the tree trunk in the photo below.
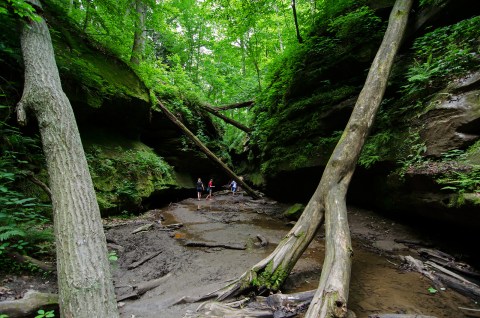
(138, 48)
(206, 151)
(236, 105)
(84, 280)
(230, 121)
(299, 37)
(331, 297)
(329, 197)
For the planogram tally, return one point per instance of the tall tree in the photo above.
(84, 280)
(294, 9)
(140, 34)
(329, 197)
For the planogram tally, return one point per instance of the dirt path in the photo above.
(378, 285)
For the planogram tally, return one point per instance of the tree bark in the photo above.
(329, 197)
(299, 37)
(140, 35)
(226, 119)
(206, 151)
(84, 280)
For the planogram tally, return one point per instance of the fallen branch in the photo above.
(399, 316)
(27, 259)
(143, 228)
(143, 260)
(42, 185)
(409, 242)
(263, 241)
(143, 287)
(237, 105)
(226, 119)
(470, 312)
(28, 305)
(205, 244)
(171, 227)
(206, 151)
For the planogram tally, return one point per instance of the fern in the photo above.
(9, 232)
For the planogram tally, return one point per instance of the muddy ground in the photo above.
(380, 284)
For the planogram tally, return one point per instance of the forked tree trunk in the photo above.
(206, 151)
(84, 280)
(329, 197)
(331, 297)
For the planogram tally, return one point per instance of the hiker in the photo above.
(200, 188)
(209, 189)
(233, 185)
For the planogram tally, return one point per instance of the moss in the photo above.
(271, 279)
(125, 172)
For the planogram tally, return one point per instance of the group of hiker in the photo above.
(210, 186)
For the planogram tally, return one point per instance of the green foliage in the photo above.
(45, 314)
(112, 256)
(442, 55)
(18, 8)
(355, 25)
(24, 221)
(375, 148)
(461, 181)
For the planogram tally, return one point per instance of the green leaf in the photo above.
(432, 290)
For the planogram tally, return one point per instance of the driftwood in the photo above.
(442, 277)
(263, 241)
(276, 305)
(142, 288)
(399, 316)
(143, 260)
(418, 266)
(231, 246)
(448, 261)
(143, 228)
(171, 227)
(470, 312)
(28, 305)
(27, 259)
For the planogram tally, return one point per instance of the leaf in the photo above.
(432, 290)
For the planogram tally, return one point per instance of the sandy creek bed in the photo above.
(378, 284)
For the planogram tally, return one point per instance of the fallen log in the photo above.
(28, 305)
(450, 273)
(232, 106)
(464, 288)
(143, 228)
(171, 227)
(418, 266)
(143, 260)
(470, 312)
(232, 246)
(143, 287)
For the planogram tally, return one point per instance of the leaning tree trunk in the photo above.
(206, 151)
(84, 280)
(329, 197)
(230, 121)
(331, 297)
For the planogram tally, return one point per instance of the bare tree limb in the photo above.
(226, 119)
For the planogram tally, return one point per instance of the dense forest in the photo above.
(110, 109)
